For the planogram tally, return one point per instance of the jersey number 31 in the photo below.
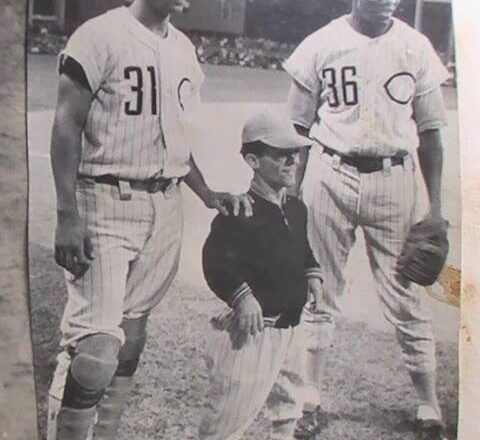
(135, 74)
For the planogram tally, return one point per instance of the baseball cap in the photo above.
(274, 129)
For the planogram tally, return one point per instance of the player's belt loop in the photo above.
(124, 190)
(336, 161)
(408, 163)
(387, 166)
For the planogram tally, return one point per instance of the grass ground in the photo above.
(367, 388)
(367, 391)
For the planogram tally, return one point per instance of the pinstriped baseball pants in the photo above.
(267, 369)
(136, 244)
(383, 204)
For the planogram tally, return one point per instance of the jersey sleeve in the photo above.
(197, 73)
(88, 46)
(197, 80)
(301, 105)
(431, 73)
(301, 66)
(220, 260)
(191, 98)
(74, 70)
(429, 110)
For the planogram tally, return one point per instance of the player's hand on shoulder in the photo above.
(248, 315)
(230, 204)
(73, 248)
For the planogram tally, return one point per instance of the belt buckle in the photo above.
(154, 185)
(369, 165)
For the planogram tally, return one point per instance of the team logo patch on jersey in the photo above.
(400, 87)
(184, 91)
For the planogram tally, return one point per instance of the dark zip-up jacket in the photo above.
(268, 253)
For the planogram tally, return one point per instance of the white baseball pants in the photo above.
(267, 369)
(383, 205)
(136, 244)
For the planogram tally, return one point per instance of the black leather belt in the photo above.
(148, 185)
(364, 164)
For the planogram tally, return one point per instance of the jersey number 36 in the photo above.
(341, 85)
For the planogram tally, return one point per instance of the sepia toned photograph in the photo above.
(244, 219)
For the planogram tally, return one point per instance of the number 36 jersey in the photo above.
(144, 91)
(366, 87)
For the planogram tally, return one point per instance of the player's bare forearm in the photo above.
(70, 116)
(430, 155)
(73, 249)
(196, 182)
(65, 159)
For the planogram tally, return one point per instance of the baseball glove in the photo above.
(424, 252)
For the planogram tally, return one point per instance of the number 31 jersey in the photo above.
(143, 90)
(365, 87)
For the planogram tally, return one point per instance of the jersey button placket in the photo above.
(376, 83)
(161, 96)
(371, 95)
(366, 97)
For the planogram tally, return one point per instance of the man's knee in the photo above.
(418, 348)
(93, 365)
(135, 337)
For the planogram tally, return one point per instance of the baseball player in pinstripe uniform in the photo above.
(366, 88)
(129, 85)
(263, 268)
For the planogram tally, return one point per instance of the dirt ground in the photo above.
(367, 391)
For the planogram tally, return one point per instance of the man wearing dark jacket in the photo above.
(263, 268)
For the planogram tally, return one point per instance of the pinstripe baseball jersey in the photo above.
(366, 87)
(143, 87)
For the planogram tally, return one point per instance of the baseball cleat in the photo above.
(430, 430)
(310, 424)
(429, 425)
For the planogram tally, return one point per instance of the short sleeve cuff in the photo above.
(436, 124)
(429, 111)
